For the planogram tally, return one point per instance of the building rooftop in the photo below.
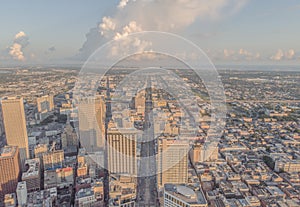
(33, 168)
(84, 193)
(11, 98)
(41, 198)
(21, 186)
(7, 151)
(186, 194)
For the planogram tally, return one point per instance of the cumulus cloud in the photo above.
(122, 4)
(239, 55)
(245, 54)
(170, 15)
(290, 54)
(228, 53)
(284, 55)
(156, 15)
(21, 41)
(20, 35)
(107, 27)
(278, 56)
(132, 27)
(16, 52)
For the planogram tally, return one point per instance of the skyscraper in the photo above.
(9, 170)
(69, 136)
(1, 121)
(122, 152)
(172, 162)
(15, 125)
(91, 115)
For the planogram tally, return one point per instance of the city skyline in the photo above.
(150, 103)
(153, 154)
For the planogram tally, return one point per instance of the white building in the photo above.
(85, 198)
(22, 194)
(180, 195)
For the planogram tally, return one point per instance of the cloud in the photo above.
(132, 27)
(173, 15)
(155, 15)
(107, 27)
(20, 35)
(123, 4)
(290, 54)
(239, 55)
(228, 53)
(278, 56)
(245, 54)
(21, 41)
(284, 55)
(16, 52)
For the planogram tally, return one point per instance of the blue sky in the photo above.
(257, 31)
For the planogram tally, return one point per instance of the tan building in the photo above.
(172, 163)
(82, 169)
(200, 154)
(15, 125)
(123, 191)
(32, 175)
(1, 121)
(122, 152)
(9, 170)
(58, 178)
(45, 104)
(53, 160)
(39, 150)
(140, 101)
(10, 200)
(91, 116)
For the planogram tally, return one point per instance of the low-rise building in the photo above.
(32, 175)
(180, 195)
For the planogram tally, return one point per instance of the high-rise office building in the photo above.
(69, 136)
(122, 152)
(172, 164)
(91, 115)
(15, 125)
(1, 121)
(139, 102)
(9, 169)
